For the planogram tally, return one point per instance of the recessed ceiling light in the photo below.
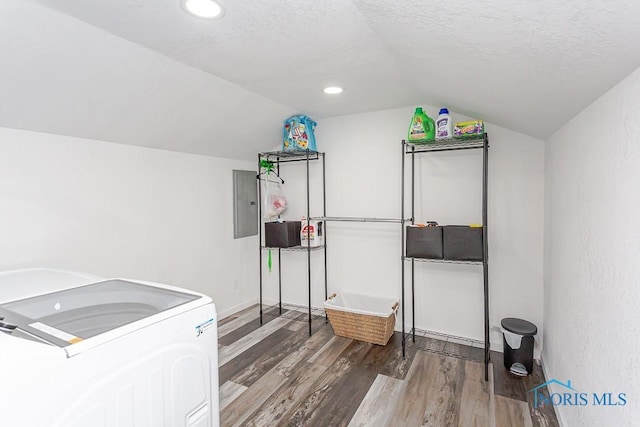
(207, 9)
(332, 90)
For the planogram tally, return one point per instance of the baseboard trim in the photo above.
(228, 312)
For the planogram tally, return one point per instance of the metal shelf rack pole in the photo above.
(279, 281)
(260, 233)
(402, 244)
(485, 261)
(324, 214)
(413, 264)
(308, 242)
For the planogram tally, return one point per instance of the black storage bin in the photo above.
(424, 242)
(523, 354)
(282, 234)
(462, 243)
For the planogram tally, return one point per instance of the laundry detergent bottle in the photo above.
(422, 127)
(444, 125)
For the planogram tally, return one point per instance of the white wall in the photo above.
(592, 297)
(363, 179)
(100, 86)
(122, 211)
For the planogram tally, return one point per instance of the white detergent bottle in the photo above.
(444, 125)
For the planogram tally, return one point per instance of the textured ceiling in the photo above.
(526, 65)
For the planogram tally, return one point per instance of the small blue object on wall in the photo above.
(298, 134)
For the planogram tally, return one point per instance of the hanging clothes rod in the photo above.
(357, 219)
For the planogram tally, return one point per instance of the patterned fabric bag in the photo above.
(298, 134)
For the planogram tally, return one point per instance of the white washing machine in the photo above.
(79, 351)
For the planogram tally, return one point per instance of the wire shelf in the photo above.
(295, 248)
(447, 345)
(294, 312)
(291, 156)
(444, 261)
(465, 143)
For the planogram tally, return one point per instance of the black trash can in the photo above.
(522, 354)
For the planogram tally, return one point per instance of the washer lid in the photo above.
(30, 282)
(69, 316)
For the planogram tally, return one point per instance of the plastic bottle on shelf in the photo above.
(422, 126)
(444, 125)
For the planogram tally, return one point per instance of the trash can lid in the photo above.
(519, 326)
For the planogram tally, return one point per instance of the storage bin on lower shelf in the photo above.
(283, 234)
(424, 242)
(362, 317)
(463, 243)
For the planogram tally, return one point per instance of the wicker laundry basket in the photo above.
(362, 317)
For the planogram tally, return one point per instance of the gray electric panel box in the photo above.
(245, 204)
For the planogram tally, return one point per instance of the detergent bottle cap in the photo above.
(444, 111)
(418, 110)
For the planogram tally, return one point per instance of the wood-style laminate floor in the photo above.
(277, 375)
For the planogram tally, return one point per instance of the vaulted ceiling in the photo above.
(144, 72)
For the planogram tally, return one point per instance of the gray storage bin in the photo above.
(424, 242)
(462, 243)
(282, 234)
